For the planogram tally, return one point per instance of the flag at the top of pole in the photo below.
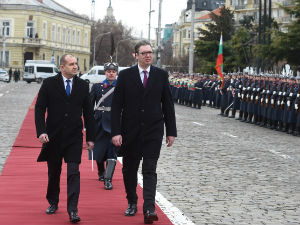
(219, 65)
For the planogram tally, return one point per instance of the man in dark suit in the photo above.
(142, 104)
(65, 97)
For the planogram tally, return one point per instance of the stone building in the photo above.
(42, 30)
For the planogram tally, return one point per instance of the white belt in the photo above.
(103, 108)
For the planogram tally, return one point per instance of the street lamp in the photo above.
(118, 47)
(149, 25)
(95, 39)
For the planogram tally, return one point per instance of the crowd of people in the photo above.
(267, 100)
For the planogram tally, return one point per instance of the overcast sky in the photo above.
(132, 13)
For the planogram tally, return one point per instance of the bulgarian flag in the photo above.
(219, 65)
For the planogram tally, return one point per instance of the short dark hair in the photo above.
(139, 44)
(63, 59)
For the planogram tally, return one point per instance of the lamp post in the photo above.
(159, 35)
(118, 47)
(191, 50)
(149, 25)
(95, 39)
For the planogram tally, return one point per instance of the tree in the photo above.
(220, 24)
(206, 47)
(103, 44)
(286, 46)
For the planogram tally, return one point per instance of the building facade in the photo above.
(243, 8)
(182, 29)
(42, 30)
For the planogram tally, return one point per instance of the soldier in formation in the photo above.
(267, 100)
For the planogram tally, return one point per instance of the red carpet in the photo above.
(23, 184)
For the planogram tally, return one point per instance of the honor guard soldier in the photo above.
(104, 150)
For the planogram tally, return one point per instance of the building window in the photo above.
(58, 34)
(6, 28)
(30, 29)
(69, 36)
(6, 59)
(53, 33)
(45, 30)
(86, 39)
(78, 37)
(73, 37)
(44, 56)
(64, 35)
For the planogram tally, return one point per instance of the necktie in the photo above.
(68, 87)
(145, 79)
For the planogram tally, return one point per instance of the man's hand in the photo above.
(117, 140)
(89, 145)
(44, 138)
(170, 140)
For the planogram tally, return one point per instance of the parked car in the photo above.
(4, 76)
(96, 74)
(37, 70)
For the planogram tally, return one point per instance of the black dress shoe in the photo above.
(74, 218)
(131, 210)
(108, 184)
(149, 217)
(51, 209)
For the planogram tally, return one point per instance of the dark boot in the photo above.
(255, 119)
(101, 169)
(291, 129)
(273, 124)
(245, 117)
(268, 123)
(240, 115)
(250, 118)
(284, 127)
(226, 112)
(279, 126)
(297, 131)
(233, 114)
(109, 172)
(262, 122)
(222, 112)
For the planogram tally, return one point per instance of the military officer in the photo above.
(104, 150)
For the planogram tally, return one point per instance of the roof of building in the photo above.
(208, 15)
(48, 4)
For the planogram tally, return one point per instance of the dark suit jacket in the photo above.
(64, 118)
(139, 113)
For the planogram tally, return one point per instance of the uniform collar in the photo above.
(107, 83)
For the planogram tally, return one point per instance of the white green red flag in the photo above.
(219, 65)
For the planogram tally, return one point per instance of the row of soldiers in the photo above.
(270, 101)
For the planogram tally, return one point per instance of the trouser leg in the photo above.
(100, 166)
(73, 186)
(53, 189)
(149, 183)
(129, 170)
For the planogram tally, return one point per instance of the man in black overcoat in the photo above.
(142, 104)
(65, 98)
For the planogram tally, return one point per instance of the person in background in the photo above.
(104, 150)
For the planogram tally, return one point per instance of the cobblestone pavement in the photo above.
(223, 171)
(219, 171)
(15, 98)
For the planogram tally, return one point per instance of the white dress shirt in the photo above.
(142, 73)
(65, 83)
